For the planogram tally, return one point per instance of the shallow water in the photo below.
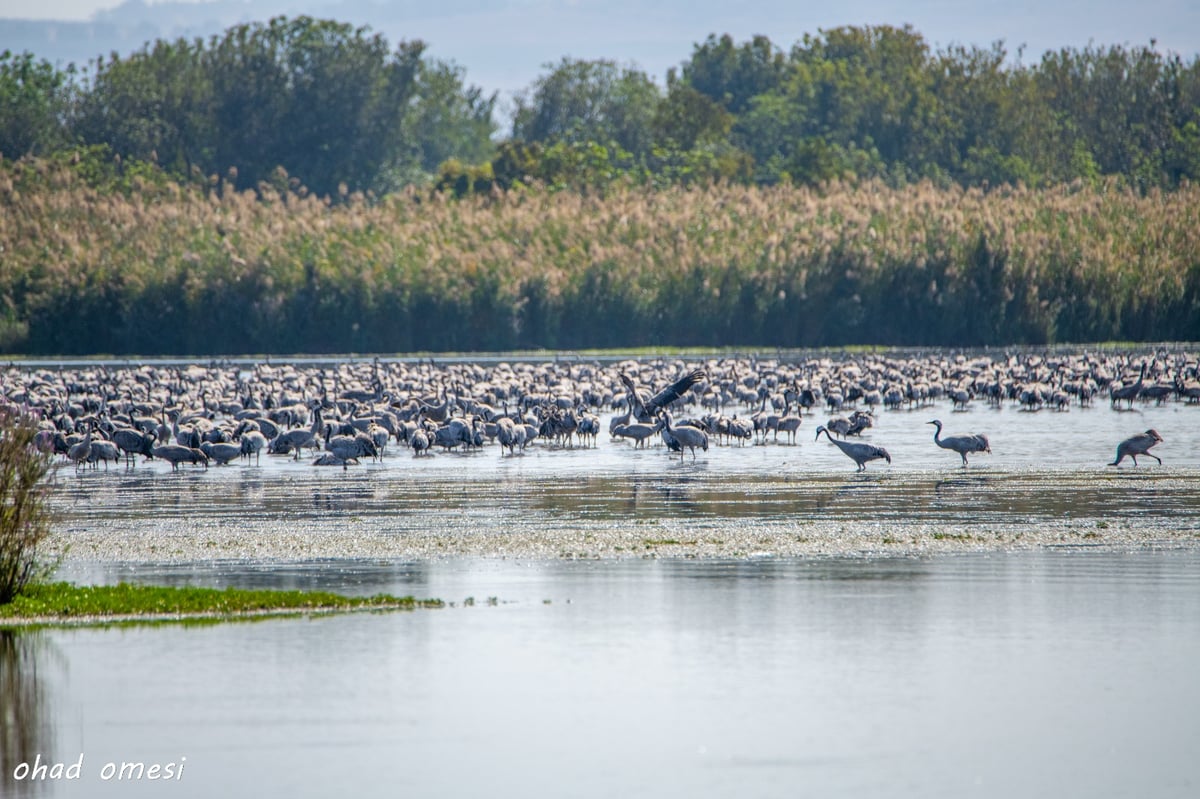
(1045, 467)
(1052, 673)
(1061, 670)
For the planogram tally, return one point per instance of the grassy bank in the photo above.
(182, 271)
(49, 603)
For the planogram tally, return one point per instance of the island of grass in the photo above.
(65, 603)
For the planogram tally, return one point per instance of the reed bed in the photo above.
(171, 269)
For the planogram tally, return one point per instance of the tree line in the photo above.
(316, 101)
(336, 110)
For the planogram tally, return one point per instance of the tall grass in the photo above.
(184, 270)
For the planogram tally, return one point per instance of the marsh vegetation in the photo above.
(179, 270)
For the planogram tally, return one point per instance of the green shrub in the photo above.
(24, 515)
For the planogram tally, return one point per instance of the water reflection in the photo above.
(26, 712)
(611, 482)
(345, 576)
(388, 504)
(971, 483)
(356, 497)
(852, 677)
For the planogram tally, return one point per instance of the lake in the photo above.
(1050, 673)
(759, 621)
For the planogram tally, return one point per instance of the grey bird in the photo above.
(684, 436)
(860, 453)
(351, 448)
(79, 453)
(1130, 392)
(419, 441)
(176, 454)
(133, 442)
(645, 408)
(222, 452)
(103, 450)
(298, 439)
(1138, 445)
(960, 444)
(252, 443)
(638, 432)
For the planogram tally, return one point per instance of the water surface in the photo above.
(1052, 673)
(1046, 470)
(1056, 660)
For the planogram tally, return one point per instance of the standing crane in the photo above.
(960, 444)
(176, 454)
(860, 453)
(81, 451)
(684, 435)
(1138, 445)
(1128, 393)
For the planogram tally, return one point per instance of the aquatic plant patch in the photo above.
(67, 602)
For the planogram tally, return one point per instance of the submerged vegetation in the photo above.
(156, 267)
(67, 602)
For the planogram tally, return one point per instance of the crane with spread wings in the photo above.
(646, 408)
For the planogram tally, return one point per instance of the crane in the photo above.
(176, 454)
(684, 435)
(860, 453)
(1138, 445)
(1130, 392)
(960, 444)
(645, 408)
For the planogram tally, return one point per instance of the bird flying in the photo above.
(646, 408)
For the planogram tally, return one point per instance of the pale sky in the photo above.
(54, 9)
(1175, 23)
(505, 44)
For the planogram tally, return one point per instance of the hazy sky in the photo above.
(1105, 21)
(54, 9)
(504, 44)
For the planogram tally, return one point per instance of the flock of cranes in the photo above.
(342, 413)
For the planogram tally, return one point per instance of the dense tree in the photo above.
(329, 104)
(155, 105)
(687, 118)
(870, 88)
(1124, 104)
(337, 110)
(733, 75)
(35, 99)
(449, 119)
(324, 100)
(992, 131)
(589, 101)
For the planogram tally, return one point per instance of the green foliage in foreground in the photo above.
(65, 601)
